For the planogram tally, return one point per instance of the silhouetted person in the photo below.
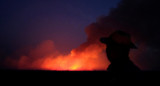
(118, 47)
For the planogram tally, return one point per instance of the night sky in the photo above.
(28, 22)
(76, 24)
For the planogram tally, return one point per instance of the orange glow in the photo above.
(86, 60)
(91, 58)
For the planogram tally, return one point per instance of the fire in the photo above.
(86, 60)
(90, 59)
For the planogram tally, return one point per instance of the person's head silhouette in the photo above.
(118, 46)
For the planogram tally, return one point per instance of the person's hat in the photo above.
(119, 37)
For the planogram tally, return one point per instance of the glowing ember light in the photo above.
(91, 58)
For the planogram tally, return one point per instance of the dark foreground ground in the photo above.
(78, 77)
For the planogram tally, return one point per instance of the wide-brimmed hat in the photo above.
(119, 37)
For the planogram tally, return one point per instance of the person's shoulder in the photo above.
(133, 67)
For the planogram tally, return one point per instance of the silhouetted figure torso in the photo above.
(123, 66)
(118, 47)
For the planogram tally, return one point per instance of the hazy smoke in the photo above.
(140, 18)
(45, 56)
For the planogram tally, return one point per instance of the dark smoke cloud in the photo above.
(141, 19)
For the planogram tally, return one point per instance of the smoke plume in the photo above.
(140, 18)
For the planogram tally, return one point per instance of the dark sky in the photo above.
(28, 22)
(70, 23)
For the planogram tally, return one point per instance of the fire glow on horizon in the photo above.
(45, 57)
